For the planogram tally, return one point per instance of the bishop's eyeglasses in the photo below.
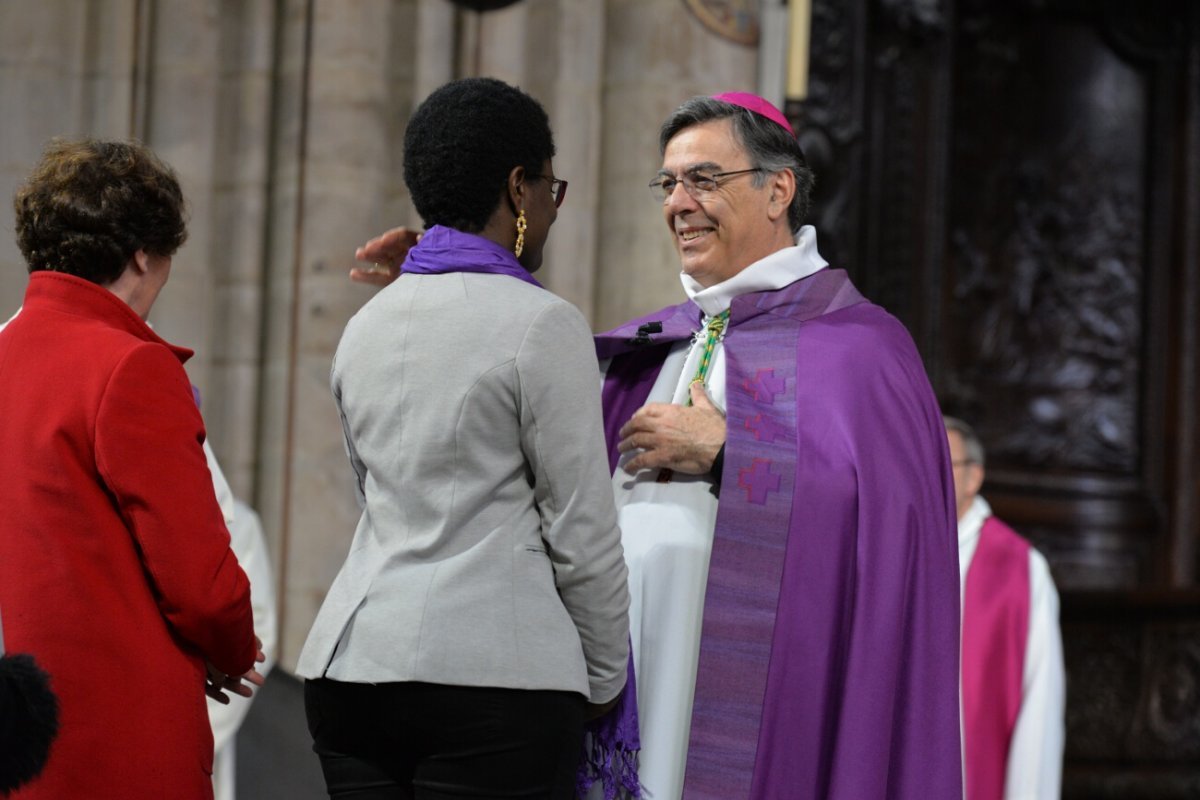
(697, 184)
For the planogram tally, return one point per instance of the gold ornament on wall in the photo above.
(736, 20)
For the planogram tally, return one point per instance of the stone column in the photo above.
(346, 79)
(285, 120)
(656, 56)
(68, 70)
(207, 111)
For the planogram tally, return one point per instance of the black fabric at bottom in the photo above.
(422, 741)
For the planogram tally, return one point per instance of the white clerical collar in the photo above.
(972, 522)
(767, 274)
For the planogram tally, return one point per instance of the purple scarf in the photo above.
(610, 756)
(444, 249)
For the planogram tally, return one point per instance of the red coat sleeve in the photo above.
(149, 453)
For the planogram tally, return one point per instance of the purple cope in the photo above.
(830, 643)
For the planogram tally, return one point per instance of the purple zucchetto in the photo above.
(758, 105)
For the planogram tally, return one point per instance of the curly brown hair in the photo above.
(90, 204)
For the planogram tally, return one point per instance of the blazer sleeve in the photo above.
(149, 453)
(356, 462)
(563, 441)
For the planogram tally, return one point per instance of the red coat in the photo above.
(115, 568)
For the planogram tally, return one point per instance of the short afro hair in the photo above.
(462, 143)
(90, 204)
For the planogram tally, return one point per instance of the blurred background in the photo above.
(1017, 180)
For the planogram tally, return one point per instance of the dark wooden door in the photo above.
(1019, 182)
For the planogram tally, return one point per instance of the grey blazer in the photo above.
(488, 552)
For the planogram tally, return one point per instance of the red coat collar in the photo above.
(68, 294)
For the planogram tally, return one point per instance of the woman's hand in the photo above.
(385, 253)
(216, 683)
(597, 710)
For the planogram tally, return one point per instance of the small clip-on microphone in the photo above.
(644, 331)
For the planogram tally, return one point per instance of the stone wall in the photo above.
(284, 120)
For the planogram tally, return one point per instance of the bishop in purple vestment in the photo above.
(825, 661)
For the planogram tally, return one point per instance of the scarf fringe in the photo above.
(611, 746)
(613, 765)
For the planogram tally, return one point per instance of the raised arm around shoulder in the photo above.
(385, 253)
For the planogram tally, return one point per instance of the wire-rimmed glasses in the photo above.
(697, 184)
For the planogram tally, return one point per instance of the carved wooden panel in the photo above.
(987, 172)
(830, 126)
(1047, 232)
(1019, 182)
(874, 130)
(1133, 680)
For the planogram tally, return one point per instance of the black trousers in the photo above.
(425, 741)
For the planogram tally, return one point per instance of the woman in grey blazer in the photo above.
(483, 603)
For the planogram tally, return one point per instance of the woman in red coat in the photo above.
(115, 568)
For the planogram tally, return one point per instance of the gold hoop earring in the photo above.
(521, 225)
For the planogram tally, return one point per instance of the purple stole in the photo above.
(995, 632)
(443, 250)
(780, 648)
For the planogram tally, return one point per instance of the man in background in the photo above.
(1013, 681)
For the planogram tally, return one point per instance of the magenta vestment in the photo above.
(829, 651)
(996, 602)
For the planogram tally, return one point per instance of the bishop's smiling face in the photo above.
(724, 230)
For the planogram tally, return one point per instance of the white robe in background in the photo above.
(1035, 755)
(248, 543)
